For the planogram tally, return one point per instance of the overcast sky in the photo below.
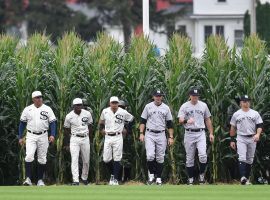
(263, 1)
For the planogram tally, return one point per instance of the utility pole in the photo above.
(253, 28)
(146, 28)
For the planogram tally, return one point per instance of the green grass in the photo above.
(166, 192)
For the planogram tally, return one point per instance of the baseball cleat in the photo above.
(85, 182)
(243, 180)
(111, 180)
(190, 181)
(248, 183)
(115, 182)
(27, 182)
(40, 183)
(151, 179)
(201, 179)
(158, 181)
(75, 184)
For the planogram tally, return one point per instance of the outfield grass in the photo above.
(166, 192)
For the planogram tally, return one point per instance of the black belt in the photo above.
(247, 135)
(154, 131)
(114, 134)
(37, 133)
(81, 136)
(195, 130)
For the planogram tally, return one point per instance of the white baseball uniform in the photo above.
(79, 141)
(114, 124)
(38, 120)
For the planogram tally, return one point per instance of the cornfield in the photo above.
(95, 72)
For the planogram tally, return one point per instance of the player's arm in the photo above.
(102, 126)
(232, 135)
(67, 134)
(209, 125)
(52, 125)
(181, 117)
(143, 121)
(169, 125)
(259, 128)
(22, 127)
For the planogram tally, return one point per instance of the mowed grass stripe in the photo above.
(209, 192)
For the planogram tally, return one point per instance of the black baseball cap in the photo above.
(158, 93)
(194, 92)
(245, 98)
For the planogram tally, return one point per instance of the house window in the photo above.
(239, 38)
(220, 30)
(181, 29)
(208, 30)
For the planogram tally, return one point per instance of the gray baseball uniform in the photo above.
(245, 123)
(194, 133)
(155, 138)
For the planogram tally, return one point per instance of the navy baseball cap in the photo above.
(158, 93)
(245, 98)
(194, 92)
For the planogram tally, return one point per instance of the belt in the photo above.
(247, 135)
(78, 135)
(113, 134)
(195, 130)
(154, 131)
(37, 133)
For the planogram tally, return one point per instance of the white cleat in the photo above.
(201, 179)
(243, 180)
(248, 182)
(115, 182)
(151, 179)
(190, 181)
(27, 182)
(40, 183)
(158, 181)
(111, 180)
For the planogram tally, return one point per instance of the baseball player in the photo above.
(111, 124)
(194, 115)
(155, 117)
(37, 118)
(78, 124)
(248, 124)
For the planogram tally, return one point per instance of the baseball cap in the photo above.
(194, 92)
(245, 98)
(158, 93)
(114, 99)
(36, 94)
(77, 101)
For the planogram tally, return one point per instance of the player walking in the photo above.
(78, 124)
(155, 117)
(194, 115)
(111, 124)
(248, 125)
(37, 118)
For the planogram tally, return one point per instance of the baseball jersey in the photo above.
(114, 122)
(78, 123)
(37, 119)
(245, 122)
(156, 116)
(199, 112)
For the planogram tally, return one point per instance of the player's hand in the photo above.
(191, 121)
(21, 142)
(211, 138)
(124, 132)
(141, 137)
(256, 138)
(233, 145)
(51, 139)
(170, 141)
(103, 132)
(66, 147)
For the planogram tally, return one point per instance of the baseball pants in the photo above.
(245, 149)
(193, 141)
(37, 143)
(155, 145)
(113, 148)
(77, 145)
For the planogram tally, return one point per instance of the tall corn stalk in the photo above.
(180, 72)
(218, 76)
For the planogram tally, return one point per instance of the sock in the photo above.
(40, 170)
(248, 170)
(116, 169)
(151, 166)
(110, 166)
(159, 168)
(28, 168)
(190, 171)
(155, 167)
(242, 169)
(202, 168)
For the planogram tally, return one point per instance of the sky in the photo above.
(263, 1)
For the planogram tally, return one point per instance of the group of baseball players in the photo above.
(156, 120)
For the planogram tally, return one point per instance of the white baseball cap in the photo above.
(36, 94)
(114, 99)
(77, 101)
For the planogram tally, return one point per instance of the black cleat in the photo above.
(85, 182)
(75, 184)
